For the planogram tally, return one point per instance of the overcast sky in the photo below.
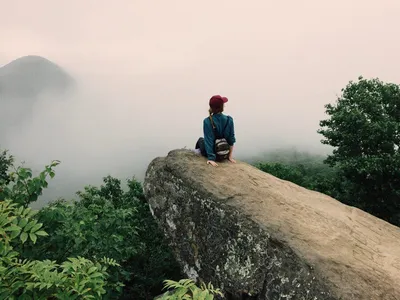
(148, 68)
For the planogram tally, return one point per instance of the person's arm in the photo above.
(209, 139)
(231, 140)
(231, 151)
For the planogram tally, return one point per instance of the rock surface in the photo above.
(247, 231)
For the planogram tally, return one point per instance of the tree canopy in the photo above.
(364, 129)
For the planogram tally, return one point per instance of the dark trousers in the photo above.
(201, 145)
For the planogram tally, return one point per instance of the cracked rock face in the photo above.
(249, 232)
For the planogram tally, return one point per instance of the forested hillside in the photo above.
(105, 243)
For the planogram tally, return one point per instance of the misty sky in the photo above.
(147, 69)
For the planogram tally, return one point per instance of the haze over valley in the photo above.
(105, 88)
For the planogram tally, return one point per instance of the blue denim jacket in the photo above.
(209, 138)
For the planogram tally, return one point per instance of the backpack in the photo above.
(221, 146)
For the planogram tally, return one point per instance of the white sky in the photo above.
(148, 68)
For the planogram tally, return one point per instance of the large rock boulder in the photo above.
(247, 231)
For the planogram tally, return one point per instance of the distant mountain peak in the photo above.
(30, 58)
(30, 75)
(26, 63)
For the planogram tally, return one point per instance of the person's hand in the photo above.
(231, 160)
(213, 163)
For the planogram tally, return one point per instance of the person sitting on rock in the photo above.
(219, 133)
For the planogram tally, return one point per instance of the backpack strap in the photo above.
(215, 129)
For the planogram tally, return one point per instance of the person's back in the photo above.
(221, 122)
(219, 133)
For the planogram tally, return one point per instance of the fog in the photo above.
(146, 69)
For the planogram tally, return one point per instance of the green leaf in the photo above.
(12, 254)
(33, 197)
(41, 233)
(33, 237)
(209, 297)
(36, 227)
(180, 292)
(13, 228)
(23, 222)
(203, 295)
(14, 234)
(195, 293)
(91, 270)
(30, 225)
(96, 275)
(24, 237)
(24, 297)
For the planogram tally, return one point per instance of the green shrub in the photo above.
(108, 221)
(186, 289)
(75, 278)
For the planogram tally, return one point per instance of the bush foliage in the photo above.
(23, 278)
(103, 245)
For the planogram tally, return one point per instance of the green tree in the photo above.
(364, 128)
(6, 161)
